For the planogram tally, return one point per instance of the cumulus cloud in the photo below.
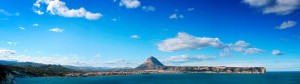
(286, 24)
(3, 12)
(135, 36)
(57, 7)
(148, 8)
(130, 3)
(280, 7)
(257, 3)
(277, 52)
(176, 16)
(56, 30)
(187, 58)
(239, 46)
(184, 41)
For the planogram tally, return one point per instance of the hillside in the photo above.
(150, 63)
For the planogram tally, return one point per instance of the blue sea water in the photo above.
(267, 78)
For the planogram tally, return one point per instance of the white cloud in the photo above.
(118, 61)
(39, 12)
(277, 52)
(286, 24)
(62, 60)
(135, 36)
(6, 51)
(130, 3)
(225, 53)
(280, 7)
(239, 46)
(56, 7)
(148, 8)
(190, 9)
(56, 30)
(12, 43)
(22, 28)
(257, 3)
(184, 41)
(74, 60)
(187, 58)
(252, 50)
(3, 12)
(176, 16)
(35, 25)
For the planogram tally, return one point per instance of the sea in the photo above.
(182, 78)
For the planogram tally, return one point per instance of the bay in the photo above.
(267, 78)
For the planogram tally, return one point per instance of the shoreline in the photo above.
(147, 74)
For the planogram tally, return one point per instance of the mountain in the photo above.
(87, 68)
(15, 63)
(67, 67)
(35, 69)
(151, 64)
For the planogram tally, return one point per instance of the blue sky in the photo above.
(120, 33)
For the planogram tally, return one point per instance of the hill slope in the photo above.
(151, 64)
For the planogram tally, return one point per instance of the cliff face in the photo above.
(6, 76)
(153, 64)
(217, 69)
(150, 64)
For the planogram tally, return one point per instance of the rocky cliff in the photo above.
(216, 69)
(153, 64)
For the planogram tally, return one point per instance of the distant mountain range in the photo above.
(77, 68)
(35, 69)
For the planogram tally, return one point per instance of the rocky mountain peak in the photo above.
(150, 64)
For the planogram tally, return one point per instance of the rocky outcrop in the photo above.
(151, 64)
(6, 76)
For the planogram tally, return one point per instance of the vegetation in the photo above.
(43, 70)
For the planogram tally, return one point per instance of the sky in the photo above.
(124, 33)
